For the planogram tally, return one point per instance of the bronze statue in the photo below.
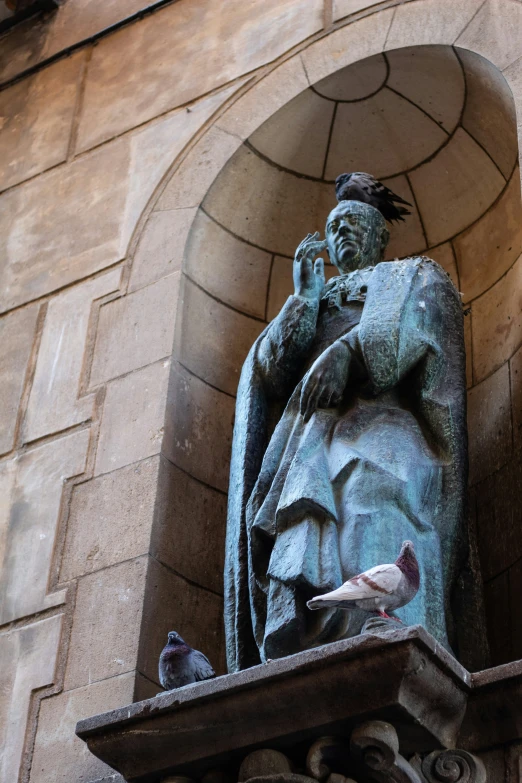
(350, 437)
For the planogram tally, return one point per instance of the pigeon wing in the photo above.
(391, 196)
(380, 580)
(374, 583)
(202, 668)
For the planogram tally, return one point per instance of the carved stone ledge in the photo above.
(402, 677)
(494, 711)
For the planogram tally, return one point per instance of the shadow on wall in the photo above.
(437, 124)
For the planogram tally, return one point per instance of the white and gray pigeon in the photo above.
(380, 589)
(180, 665)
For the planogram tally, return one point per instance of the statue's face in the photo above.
(356, 236)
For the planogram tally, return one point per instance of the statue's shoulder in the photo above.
(429, 268)
(411, 262)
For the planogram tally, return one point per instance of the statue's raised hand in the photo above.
(309, 277)
(325, 382)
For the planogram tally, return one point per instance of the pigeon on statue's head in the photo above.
(363, 187)
(180, 665)
(382, 588)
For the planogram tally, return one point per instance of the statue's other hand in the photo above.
(325, 382)
(309, 277)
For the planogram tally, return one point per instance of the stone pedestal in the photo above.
(401, 687)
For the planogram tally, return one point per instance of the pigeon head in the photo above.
(356, 235)
(408, 564)
(340, 181)
(174, 638)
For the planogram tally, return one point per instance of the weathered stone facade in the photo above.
(126, 201)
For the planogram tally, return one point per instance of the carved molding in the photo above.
(370, 755)
(453, 766)
(376, 746)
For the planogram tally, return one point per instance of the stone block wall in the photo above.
(116, 426)
(85, 357)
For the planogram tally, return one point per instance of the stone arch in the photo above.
(213, 333)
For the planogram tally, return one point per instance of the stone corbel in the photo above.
(370, 756)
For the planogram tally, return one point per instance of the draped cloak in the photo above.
(312, 504)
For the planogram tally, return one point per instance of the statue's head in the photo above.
(356, 236)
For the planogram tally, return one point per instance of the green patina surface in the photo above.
(350, 437)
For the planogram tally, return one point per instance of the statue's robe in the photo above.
(313, 504)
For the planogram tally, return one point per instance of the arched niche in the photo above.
(438, 125)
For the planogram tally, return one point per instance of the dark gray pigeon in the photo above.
(180, 665)
(359, 186)
(382, 588)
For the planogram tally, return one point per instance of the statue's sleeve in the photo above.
(285, 345)
(268, 371)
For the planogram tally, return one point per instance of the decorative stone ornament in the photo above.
(371, 754)
(453, 766)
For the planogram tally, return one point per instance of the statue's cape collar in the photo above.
(351, 287)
